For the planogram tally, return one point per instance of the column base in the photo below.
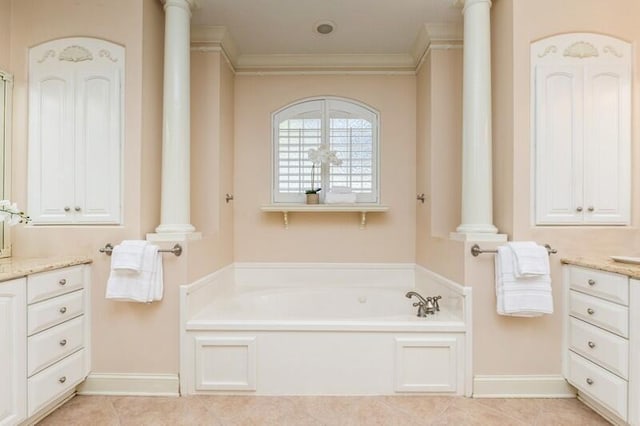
(478, 236)
(164, 234)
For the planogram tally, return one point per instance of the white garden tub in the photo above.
(263, 329)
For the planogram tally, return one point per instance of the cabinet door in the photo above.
(98, 129)
(558, 144)
(13, 352)
(607, 143)
(51, 144)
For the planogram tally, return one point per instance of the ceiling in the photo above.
(257, 29)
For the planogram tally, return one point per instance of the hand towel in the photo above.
(128, 255)
(144, 286)
(523, 297)
(531, 259)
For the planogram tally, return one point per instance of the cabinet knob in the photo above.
(63, 310)
(62, 379)
(589, 381)
(591, 282)
(63, 342)
(590, 208)
(77, 208)
(590, 311)
(62, 281)
(67, 208)
(579, 208)
(591, 344)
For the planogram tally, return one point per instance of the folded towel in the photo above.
(531, 259)
(523, 297)
(128, 255)
(340, 195)
(144, 286)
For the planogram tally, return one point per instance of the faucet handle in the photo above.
(435, 302)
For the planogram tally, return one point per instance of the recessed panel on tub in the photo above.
(225, 363)
(426, 364)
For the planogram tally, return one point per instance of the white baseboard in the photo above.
(131, 384)
(538, 386)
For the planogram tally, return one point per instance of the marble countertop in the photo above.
(604, 264)
(15, 267)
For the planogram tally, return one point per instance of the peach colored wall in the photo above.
(333, 237)
(123, 333)
(534, 344)
(5, 34)
(212, 107)
(438, 162)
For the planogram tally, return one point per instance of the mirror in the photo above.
(6, 86)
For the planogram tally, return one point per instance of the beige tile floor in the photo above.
(312, 411)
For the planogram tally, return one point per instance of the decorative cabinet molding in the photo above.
(581, 129)
(75, 131)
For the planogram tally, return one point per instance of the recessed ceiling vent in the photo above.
(324, 27)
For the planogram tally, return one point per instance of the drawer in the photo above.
(607, 285)
(607, 315)
(54, 381)
(48, 313)
(53, 283)
(52, 345)
(601, 385)
(600, 346)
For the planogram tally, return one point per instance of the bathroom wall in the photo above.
(123, 333)
(329, 237)
(438, 161)
(5, 33)
(212, 131)
(534, 344)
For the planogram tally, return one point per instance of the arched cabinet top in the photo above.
(577, 47)
(77, 50)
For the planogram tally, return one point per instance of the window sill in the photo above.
(362, 208)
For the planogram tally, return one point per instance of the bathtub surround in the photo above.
(320, 328)
(175, 215)
(477, 198)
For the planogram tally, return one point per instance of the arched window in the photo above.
(345, 131)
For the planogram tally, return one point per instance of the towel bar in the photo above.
(476, 250)
(177, 249)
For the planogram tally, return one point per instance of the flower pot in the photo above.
(313, 198)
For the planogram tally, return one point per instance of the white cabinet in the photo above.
(75, 131)
(44, 341)
(602, 339)
(13, 352)
(581, 122)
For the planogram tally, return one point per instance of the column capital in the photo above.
(464, 4)
(188, 4)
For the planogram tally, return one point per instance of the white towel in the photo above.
(144, 286)
(523, 297)
(128, 255)
(531, 259)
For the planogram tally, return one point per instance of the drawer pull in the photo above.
(591, 282)
(590, 311)
(64, 379)
(62, 281)
(591, 344)
(63, 342)
(63, 310)
(589, 381)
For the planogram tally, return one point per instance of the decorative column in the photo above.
(176, 133)
(477, 197)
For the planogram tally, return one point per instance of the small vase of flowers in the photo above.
(319, 156)
(10, 213)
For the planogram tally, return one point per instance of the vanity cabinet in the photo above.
(581, 112)
(75, 131)
(600, 355)
(44, 341)
(13, 352)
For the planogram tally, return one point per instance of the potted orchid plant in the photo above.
(318, 156)
(10, 213)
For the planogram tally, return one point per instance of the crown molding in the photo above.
(432, 35)
(211, 36)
